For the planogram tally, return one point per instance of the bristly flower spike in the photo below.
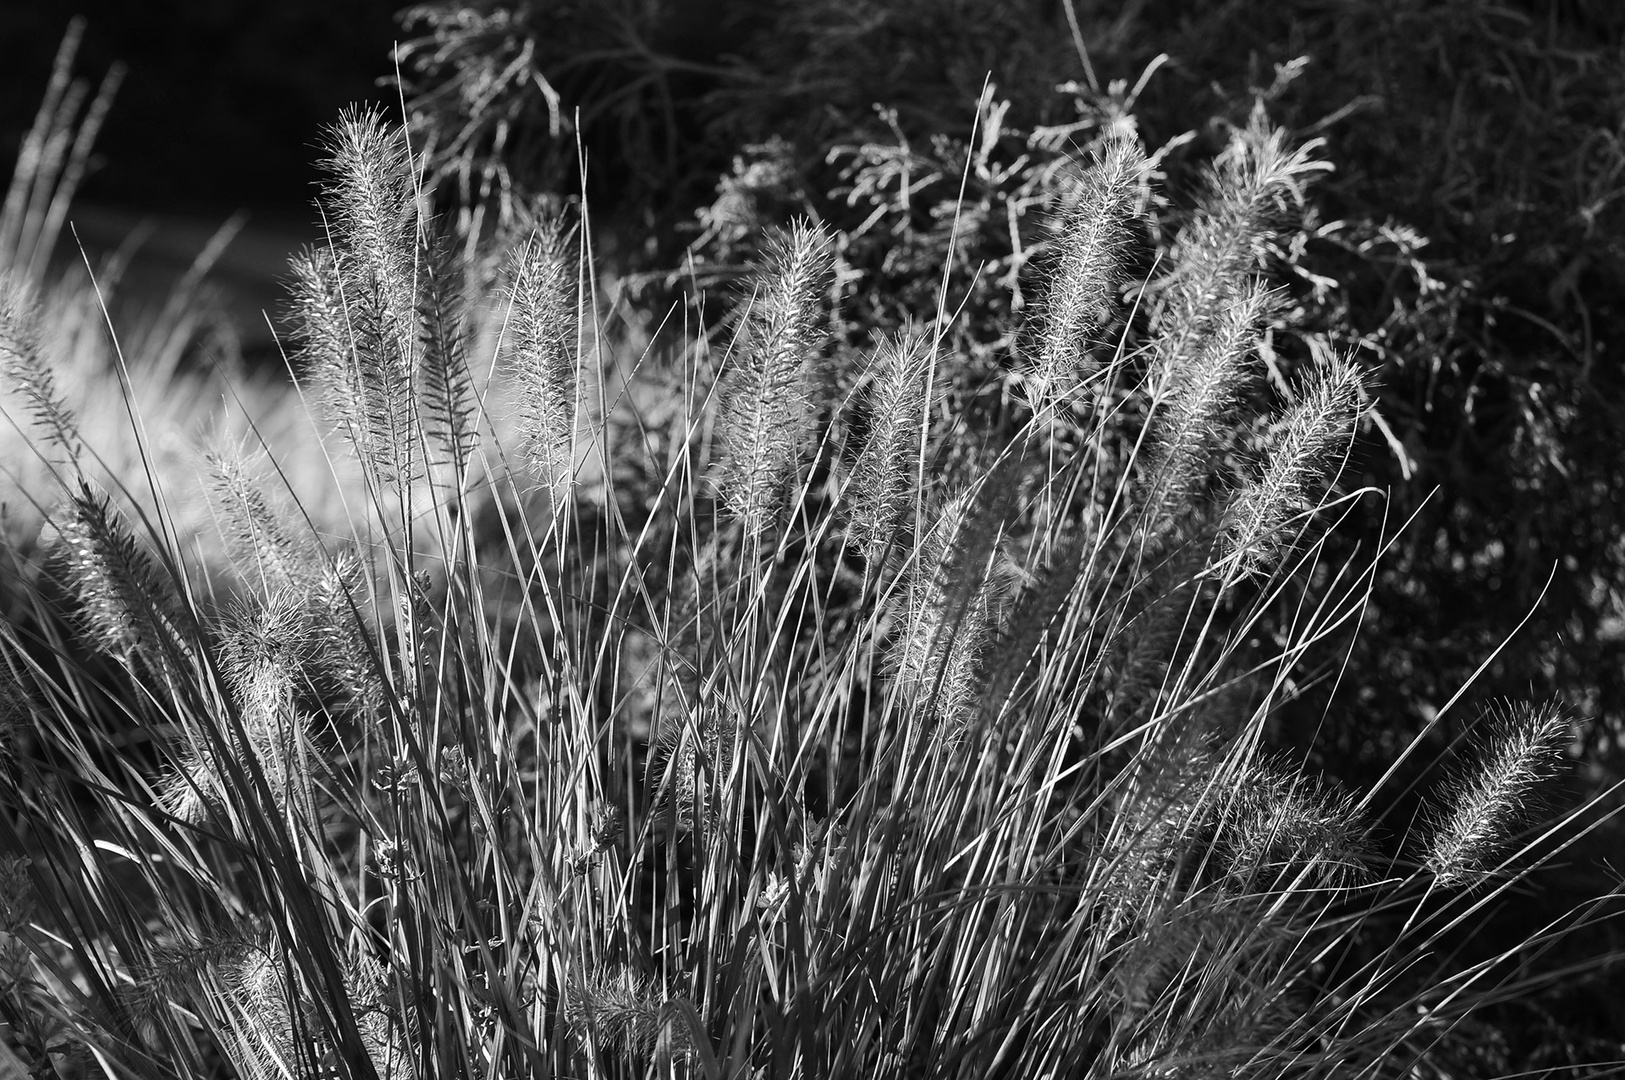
(765, 408)
(1314, 432)
(1094, 231)
(1522, 750)
(541, 338)
(882, 487)
(23, 366)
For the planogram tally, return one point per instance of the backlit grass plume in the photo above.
(1484, 803)
(1314, 433)
(542, 335)
(1081, 293)
(883, 486)
(1201, 391)
(126, 605)
(25, 370)
(355, 298)
(1256, 180)
(766, 407)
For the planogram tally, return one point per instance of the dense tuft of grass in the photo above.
(821, 734)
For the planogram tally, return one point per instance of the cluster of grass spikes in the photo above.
(717, 724)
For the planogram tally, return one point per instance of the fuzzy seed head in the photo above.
(884, 482)
(766, 404)
(1302, 465)
(24, 370)
(125, 605)
(1201, 389)
(542, 342)
(689, 767)
(625, 1013)
(952, 601)
(1094, 231)
(1521, 749)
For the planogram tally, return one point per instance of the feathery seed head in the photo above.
(256, 533)
(356, 303)
(124, 603)
(624, 1012)
(258, 1006)
(1301, 466)
(24, 369)
(379, 1021)
(689, 766)
(175, 970)
(1157, 815)
(1082, 291)
(265, 658)
(320, 323)
(374, 208)
(884, 477)
(1483, 806)
(1250, 185)
(951, 599)
(765, 407)
(542, 340)
(1280, 829)
(1200, 392)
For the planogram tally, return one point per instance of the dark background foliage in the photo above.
(222, 102)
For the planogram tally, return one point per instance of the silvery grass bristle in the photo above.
(1093, 233)
(1281, 831)
(266, 652)
(691, 762)
(1487, 801)
(25, 370)
(765, 398)
(127, 605)
(883, 487)
(541, 334)
(355, 298)
(625, 1013)
(1314, 435)
(1200, 390)
(1249, 190)
(258, 535)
